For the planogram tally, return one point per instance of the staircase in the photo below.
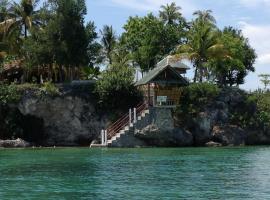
(125, 137)
(121, 132)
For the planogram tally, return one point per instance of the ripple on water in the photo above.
(187, 173)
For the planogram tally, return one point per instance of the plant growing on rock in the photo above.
(116, 89)
(195, 98)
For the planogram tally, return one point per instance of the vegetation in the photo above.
(118, 79)
(254, 112)
(9, 94)
(195, 98)
(265, 79)
(55, 44)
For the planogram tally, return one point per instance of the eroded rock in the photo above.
(18, 143)
(229, 135)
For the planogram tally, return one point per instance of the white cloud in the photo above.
(264, 59)
(259, 39)
(255, 3)
(154, 5)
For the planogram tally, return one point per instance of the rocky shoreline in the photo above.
(72, 119)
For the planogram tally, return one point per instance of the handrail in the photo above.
(121, 123)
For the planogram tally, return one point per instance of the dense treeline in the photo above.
(54, 42)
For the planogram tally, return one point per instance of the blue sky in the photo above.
(252, 16)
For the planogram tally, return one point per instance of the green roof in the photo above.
(158, 70)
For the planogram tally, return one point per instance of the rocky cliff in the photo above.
(70, 118)
(73, 118)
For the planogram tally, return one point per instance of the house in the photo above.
(162, 86)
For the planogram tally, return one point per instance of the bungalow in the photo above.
(162, 86)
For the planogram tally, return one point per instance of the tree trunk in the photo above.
(25, 31)
(195, 75)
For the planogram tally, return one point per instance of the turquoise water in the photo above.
(188, 173)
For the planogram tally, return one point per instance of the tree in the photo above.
(23, 15)
(108, 41)
(170, 13)
(233, 69)
(265, 79)
(149, 39)
(118, 79)
(202, 44)
(65, 44)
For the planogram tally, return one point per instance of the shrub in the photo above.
(9, 94)
(253, 112)
(195, 98)
(50, 89)
(116, 89)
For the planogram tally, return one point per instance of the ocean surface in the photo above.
(184, 173)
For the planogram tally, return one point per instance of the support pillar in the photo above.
(106, 137)
(102, 137)
(135, 116)
(130, 116)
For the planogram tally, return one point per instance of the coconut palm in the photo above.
(170, 13)
(202, 44)
(108, 41)
(20, 16)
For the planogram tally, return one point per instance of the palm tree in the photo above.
(22, 16)
(202, 44)
(108, 41)
(205, 16)
(170, 13)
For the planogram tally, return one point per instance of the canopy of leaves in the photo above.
(116, 88)
(149, 39)
(232, 70)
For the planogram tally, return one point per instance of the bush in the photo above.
(116, 88)
(50, 89)
(196, 97)
(9, 94)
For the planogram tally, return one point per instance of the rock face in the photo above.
(258, 137)
(159, 130)
(68, 120)
(213, 144)
(202, 129)
(18, 143)
(229, 135)
(155, 136)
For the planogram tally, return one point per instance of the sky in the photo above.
(252, 16)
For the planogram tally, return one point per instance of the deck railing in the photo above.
(125, 120)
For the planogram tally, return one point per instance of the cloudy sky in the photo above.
(252, 16)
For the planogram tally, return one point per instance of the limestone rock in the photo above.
(258, 137)
(213, 144)
(154, 136)
(18, 143)
(202, 129)
(67, 120)
(229, 135)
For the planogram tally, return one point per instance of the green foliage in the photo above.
(108, 41)
(116, 89)
(231, 70)
(90, 73)
(254, 112)
(50, 89)
(195, 98)
(64, 44)
(265, 79)
(9, 94)
(149, 38)
(202, 44)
